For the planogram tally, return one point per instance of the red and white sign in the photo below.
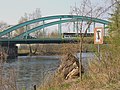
(98, 35)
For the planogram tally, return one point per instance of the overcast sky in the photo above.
(12, 10)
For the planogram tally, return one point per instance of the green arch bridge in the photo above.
(26, 38)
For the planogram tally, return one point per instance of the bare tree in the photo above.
(22, 29)
(3, 26)
(30, 16)
(88, 9)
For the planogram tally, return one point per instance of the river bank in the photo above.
(101, 75)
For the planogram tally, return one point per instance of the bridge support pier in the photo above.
(8, 51)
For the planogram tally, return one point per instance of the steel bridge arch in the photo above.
(45, 25)
(84, 18)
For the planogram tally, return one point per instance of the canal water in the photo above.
(36, 70)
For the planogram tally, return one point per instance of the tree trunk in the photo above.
(30, 49)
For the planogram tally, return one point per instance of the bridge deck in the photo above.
(35, 41)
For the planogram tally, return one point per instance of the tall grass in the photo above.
(8, 78)
(102, 75)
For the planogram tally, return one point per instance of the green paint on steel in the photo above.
(51, 18)
(43, 26)
(42, 40)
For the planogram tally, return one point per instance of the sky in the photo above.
(12, 10)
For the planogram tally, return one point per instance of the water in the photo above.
(86, 57)
(33, 70)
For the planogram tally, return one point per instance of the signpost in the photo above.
(98, 38)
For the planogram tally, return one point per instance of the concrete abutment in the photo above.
(8, 51)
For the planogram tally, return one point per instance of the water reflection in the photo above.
(86, 58)
(33, 70)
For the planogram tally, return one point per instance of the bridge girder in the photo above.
(70, 18)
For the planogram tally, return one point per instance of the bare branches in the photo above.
(3, 25)
(88, 9)
(106, 9)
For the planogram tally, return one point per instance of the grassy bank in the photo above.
(102, 75)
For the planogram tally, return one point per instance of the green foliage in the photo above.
(115, 25)
(115, 21)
